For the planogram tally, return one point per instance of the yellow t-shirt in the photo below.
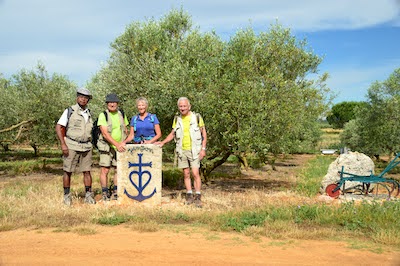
(186, 140)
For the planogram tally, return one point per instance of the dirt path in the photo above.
(123, 246)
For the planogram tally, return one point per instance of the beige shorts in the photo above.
(187, 161)
(108, 158)
(80, 159)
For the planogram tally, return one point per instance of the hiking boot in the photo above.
(89, 198)
(114, 196)
(105, 197)
(68, 199)
(197, 201)
(189, 198)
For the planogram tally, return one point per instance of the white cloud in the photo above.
(299, 15)
(95, 17)
(352, 82)
(72, 37)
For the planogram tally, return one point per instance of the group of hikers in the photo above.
(74, 131)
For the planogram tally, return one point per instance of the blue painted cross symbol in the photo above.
(140, 173)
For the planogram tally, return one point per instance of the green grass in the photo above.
(312, 174)
(113, 218)
(373, 221)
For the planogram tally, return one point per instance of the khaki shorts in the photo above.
(108, 158)
(187, 161)
(82, 159)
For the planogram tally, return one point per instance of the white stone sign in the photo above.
(140, 174)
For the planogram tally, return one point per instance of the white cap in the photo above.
(84, 91)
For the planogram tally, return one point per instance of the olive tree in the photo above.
(252, 91)
(33, 101)
(375, 129)
(271, 107)
(9, 122)
(162, 61)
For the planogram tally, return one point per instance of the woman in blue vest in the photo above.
(145, 127)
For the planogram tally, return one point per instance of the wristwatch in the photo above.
(203, 148)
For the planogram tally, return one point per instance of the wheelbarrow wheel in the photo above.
(330, 191)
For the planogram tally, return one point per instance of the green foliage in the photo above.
(172, 178)
(342, 113)
(375, 128)
(252, 91)
(34, 111)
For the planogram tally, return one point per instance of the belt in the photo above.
(79, 141)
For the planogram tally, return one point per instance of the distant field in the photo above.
(330, 138)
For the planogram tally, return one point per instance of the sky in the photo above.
(358, 40)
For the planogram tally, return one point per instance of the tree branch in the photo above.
(15, 126)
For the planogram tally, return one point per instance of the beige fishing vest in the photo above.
(195, 135)
(78, 134)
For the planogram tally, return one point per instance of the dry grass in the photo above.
(255, 203)
(36, 201)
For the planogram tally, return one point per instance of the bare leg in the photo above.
(196, 179)
(186, 178)
(115, 177)
(67, 179)
(103, 176)
(87, 179)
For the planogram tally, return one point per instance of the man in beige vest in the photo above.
(113, 126)
(74, 132)
(190, 135)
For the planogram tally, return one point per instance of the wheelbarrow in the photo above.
(377, 186)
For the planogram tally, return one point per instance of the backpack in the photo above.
(70, 111)
(135, 118)
(96, 129)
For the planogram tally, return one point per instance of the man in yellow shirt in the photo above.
(190, 135)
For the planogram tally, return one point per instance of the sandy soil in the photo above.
(122, 245)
